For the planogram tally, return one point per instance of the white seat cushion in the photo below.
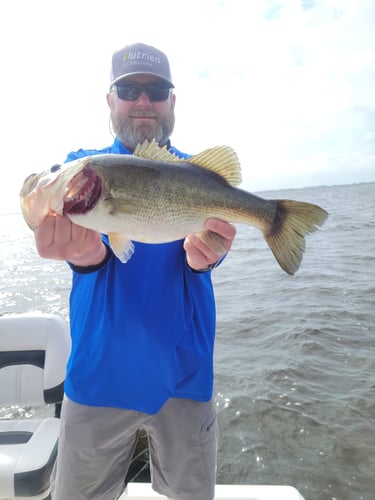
(25, 465)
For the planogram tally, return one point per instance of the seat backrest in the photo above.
(34, 349)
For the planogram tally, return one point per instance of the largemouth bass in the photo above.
(153, 196)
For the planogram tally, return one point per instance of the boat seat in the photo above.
(34, 350)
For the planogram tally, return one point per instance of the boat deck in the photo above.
(143, 491)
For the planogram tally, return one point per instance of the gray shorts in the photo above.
(96, 446)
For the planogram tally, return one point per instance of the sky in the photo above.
(289, 84)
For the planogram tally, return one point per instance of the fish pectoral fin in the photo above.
(120, 205)
(121, 246)
(213, 240)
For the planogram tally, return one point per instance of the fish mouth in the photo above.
(83, 192)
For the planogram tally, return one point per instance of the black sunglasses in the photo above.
(132, 91)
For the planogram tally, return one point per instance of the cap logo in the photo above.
(139, 55)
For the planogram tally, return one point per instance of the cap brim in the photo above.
(141, 73)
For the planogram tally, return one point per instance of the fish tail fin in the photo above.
(286, 238)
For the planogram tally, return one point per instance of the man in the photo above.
(142, 332)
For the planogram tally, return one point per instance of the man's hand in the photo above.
(198, 254)
(58, 238)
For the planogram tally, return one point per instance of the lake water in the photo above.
(295, 356)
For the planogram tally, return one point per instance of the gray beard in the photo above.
(130, 136)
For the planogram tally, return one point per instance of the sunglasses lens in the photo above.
(132, 92)
(128, 92)
(157, 93)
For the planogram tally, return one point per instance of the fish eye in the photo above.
(55, 168)
(29, 177)
(29, 184)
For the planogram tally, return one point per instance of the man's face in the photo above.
(133, 121)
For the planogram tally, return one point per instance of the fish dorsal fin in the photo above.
(222, 160)
(152, 151)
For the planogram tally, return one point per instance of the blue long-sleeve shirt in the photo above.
(143, 331)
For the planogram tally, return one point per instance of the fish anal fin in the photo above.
(213, 240)
(121, 246)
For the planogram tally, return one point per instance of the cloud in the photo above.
(288, 84)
